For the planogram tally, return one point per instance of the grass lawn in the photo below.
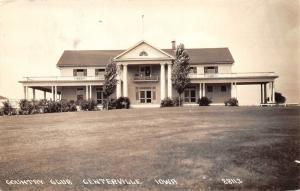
(197, 146)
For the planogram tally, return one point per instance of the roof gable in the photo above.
(143, 51)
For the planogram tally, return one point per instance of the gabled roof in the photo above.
(84, 58)
(144, 42)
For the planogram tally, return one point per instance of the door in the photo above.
(190, 95)
(99, 94)
(145, 96)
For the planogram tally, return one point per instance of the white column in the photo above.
(90, 91)
(235, 87)
(125, 84)
(119, 88)
(200, 90)
(44, 94)
(170, 80)
(33, 93)
(86, 92)
(270, 91)
(25, 93)
(162, 82)
(233, 90)
(273, 91)
(52, 91)
(55, 93)
(203, 89)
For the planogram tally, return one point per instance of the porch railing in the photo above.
(146, 78)
(233, 75)
(64, 78)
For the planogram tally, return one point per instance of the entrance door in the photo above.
(145, 96)
(190, 95)
(99, 92)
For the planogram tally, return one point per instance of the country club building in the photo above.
(144, 74)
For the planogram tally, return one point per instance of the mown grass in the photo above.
(197, 146)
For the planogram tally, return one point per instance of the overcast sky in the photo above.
(262, 35)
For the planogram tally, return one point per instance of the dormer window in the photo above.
(143, 53)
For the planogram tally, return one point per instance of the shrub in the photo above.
(88, 105)
(122, 102)
(26, 107)
(167, 102)
(7, 108)
(204, 101)
(176, 101)
(112, 104)
(72, 106)
(279, 98)
(1, 111)
(44, 106)
(231, 102)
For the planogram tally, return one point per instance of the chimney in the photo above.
(173, 44)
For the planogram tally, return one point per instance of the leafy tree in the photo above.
(279, 98)
(180, 70)
(110, 81)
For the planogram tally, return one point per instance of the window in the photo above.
(145, 70)
(99, 71)
(79, 72)
(143, 53)
(223, 88)
(210, 69)
(209, 89)
(193, 70)
(79, 93)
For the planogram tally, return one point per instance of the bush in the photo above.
(231, 102)
(279, 98)
(26, 107)
(88, 105)
(204, 101)
(122, 102)
(176, 101)
(7, 108)
(167, 102)
(72, 106)
(112, 104)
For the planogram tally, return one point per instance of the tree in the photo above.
(181, 70)
(279, 98)
(110, 81)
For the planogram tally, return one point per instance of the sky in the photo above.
(263, 36)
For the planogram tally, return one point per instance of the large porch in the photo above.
(67, 87)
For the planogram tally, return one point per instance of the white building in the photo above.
(144, 74)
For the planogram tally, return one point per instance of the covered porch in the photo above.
(57, 86)
(265, 80)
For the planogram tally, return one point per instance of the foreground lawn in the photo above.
(196, 146)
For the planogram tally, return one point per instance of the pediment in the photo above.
(143, 51)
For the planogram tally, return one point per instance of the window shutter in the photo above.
(154, 95)
(205, 69)
(74, 72)
(85, 72)
(137, 95)
(216, 69)
(96, 72)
